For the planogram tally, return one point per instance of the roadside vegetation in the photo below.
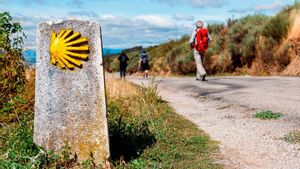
(144, 131)
(255, 44)
(266, 115)
(155, 134)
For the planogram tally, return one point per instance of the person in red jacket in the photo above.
(199, 43)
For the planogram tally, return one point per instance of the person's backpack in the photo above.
(202, 40)
(123, 58)
(144, 58)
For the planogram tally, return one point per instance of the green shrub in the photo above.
(242, 38)
(11, 34)
(133, 64)
(268, 115)
(185, 64)
(277, 27)
(216, 45)
(12, 74)
(18, 144)
(108, 60)
(215, 28)
(230, 22)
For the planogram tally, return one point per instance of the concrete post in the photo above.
(70, 105)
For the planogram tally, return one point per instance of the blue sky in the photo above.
(128, 23)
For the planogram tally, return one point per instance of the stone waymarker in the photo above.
(70, 105)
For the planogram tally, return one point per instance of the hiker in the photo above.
(144, 64)
(123, 58)
(199, 43)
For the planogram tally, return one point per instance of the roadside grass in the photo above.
(266, 115)
(170, 141)
(292, 137)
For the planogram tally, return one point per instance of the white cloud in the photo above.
(194, 3)
(77, 3)
(37, 2)
(269, 7)
(239, 10)
(186, 17)
(29, 25)
(4, 1)
(108, 17)
(154, 21)
(83, 14)
(145, 30)
(273, 7)
(121, 31)
(170, 2)
(207, 3)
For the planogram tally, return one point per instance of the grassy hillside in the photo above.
(255, 45)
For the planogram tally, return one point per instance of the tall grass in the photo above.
(161, 138)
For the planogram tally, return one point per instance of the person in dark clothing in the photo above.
(123, 58)
(144, 62)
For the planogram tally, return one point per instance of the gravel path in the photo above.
(224, 106)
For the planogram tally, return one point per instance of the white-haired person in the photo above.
(199, 42)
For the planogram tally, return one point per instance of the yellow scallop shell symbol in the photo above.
(68, 49)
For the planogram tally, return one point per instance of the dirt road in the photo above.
(224, 108)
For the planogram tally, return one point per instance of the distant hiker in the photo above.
(199, 43)
(144, 64)
(123, 58)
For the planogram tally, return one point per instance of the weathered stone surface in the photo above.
(70, 106)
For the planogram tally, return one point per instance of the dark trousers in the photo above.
(123, 70)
